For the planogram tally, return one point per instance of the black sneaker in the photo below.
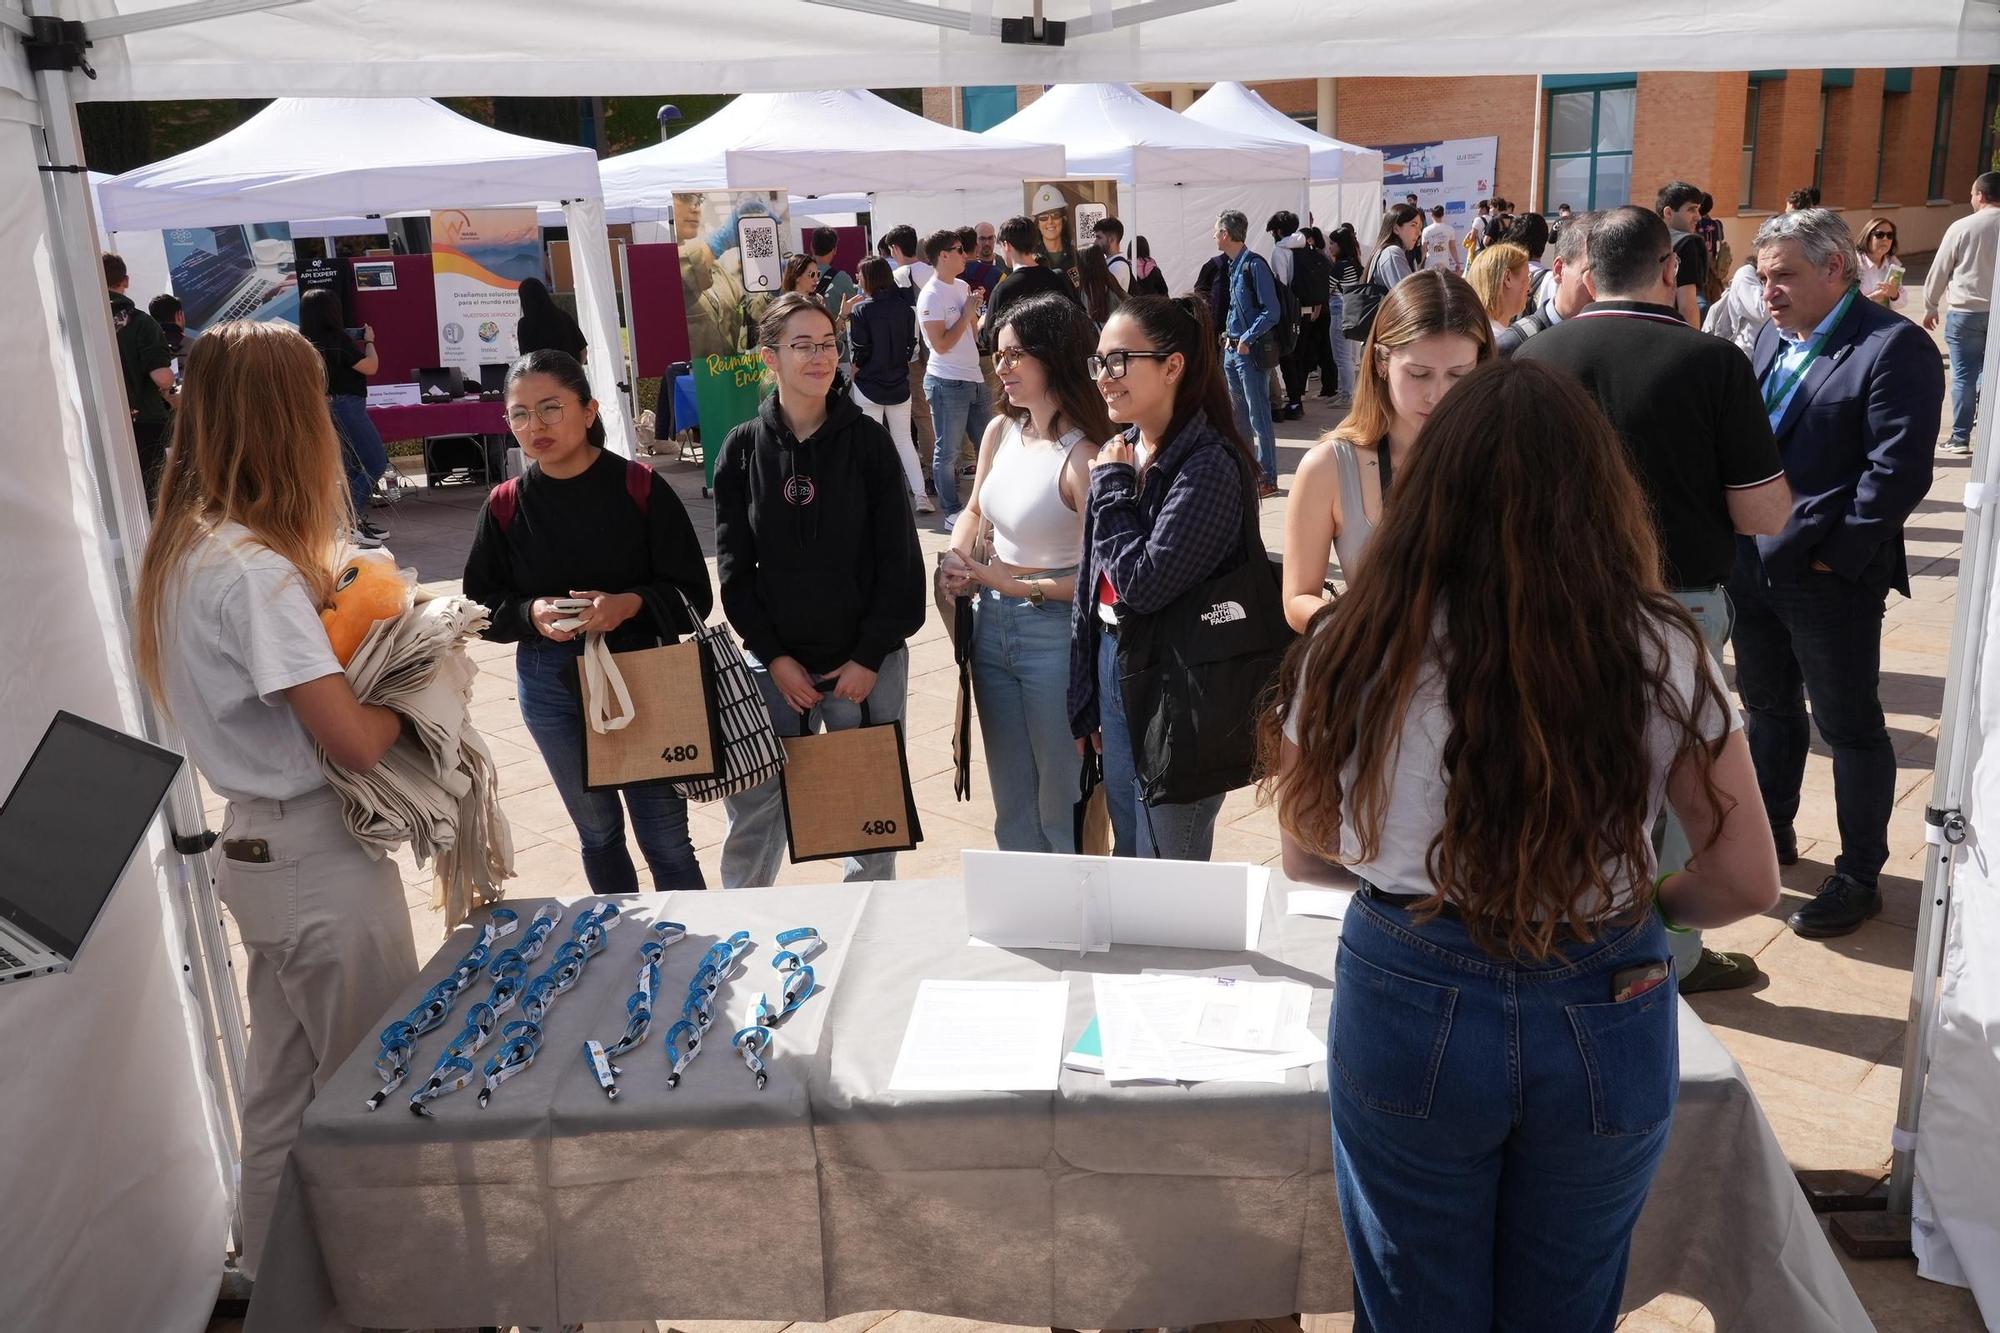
(1839, 908)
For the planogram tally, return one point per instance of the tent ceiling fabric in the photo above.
(820, 142)
(305, 158)
(1109, 129)
(340, 48)
(1235, 109)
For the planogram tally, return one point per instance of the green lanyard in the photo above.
(1777, 391)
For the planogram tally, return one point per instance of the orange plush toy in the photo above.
(368, 589)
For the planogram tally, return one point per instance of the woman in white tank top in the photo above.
(1430, 332)
(1028, 496)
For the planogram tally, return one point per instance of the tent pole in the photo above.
(1944, 819)
(114, 466)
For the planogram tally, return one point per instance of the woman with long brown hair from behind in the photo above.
(1483, 730)
(1429, 333)
(242, 558)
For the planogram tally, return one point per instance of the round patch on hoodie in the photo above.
(800, 490)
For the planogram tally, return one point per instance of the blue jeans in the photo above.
(659, 818)
(1020, 683)
(1712, 616)
(1965, 340)
(1164, 832)
(361, 447)
(1816, 637)
(960, 410)
(1496, 1124)
(1250, 395)
(754, 847)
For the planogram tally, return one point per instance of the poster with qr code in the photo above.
(1064, 212)
(732, 259)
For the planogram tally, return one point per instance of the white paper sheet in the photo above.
(1330, 903)
(1142, 1021)
(1267, 1016)
(1085, 904)
(983, 1036)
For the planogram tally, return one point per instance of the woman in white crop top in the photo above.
(1034, 474)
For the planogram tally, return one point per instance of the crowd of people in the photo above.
(1553, 501)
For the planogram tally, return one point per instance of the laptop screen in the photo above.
(70, 824)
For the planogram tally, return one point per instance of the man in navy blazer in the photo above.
(1855, 393)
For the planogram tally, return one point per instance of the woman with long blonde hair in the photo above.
(1500, 274)
(243, 555)
(1430, 332)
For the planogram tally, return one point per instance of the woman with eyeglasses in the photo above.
(1881, 271)
(1168, 501)
(1033, 479)
(583, 523)
(821, 575)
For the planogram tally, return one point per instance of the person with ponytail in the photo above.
(245, 545)
(1166, 512)
(1483, 731)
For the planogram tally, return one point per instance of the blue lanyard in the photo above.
(638, 1007)
(521, 1042)
(454, 1067)
(399, 1039)
(522, 1039)
(683, 1040)
(1777, 391)
(753, 1043)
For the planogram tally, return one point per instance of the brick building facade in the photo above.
(1904, 143)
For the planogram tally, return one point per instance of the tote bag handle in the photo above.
(606, 685)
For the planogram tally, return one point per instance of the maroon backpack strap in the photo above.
(639, 485)
(504, 501)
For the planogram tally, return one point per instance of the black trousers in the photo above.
(151, 437)
(1315, 352)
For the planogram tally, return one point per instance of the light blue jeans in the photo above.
(1713, 616)
(1965, 340)
(1163, 832)
(1343, 350)
(1020, 684)
(960, 410)
(754, 847)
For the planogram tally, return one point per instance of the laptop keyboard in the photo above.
(243, 306)
(7, 959)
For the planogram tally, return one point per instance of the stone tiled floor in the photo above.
(1821, 1040)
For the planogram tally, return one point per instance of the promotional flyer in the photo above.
(1064, 212)
(478, 258)
(240, 272)
(1457, 173)
(731, 259)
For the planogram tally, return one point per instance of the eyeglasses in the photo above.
(1881, 235)
(1009, 357)
(810, 351)
(520, 418)
(1114, 364)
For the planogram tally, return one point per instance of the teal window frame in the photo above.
(1596, 86)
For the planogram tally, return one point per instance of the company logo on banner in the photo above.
(225, 273)
(478, 258)
(1457, 173)
(732, 263)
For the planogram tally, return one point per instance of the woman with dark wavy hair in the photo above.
(1483, 730)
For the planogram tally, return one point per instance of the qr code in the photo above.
(760, 243)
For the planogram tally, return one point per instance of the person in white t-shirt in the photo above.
(244, 552)
(948, 313)
(1440, 243)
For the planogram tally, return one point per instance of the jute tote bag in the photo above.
(847, 793)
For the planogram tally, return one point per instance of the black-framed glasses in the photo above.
(1115, 364)
(520, 418)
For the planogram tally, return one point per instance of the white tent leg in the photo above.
(597, 312)
(122, 501)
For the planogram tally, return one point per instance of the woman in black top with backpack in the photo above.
(882, 337)
(348, 366)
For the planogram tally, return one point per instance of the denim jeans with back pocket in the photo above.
(1496, 1124)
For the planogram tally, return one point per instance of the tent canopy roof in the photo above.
(1232, 107)
(334, 157)
(819, 143)
(1111, 129)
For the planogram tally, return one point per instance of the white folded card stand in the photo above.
(393, 395)
(1086, 904)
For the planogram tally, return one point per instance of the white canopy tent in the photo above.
(835, 142)
(308, 158)
(1174, 174)
(1346, 180)
(105, 1100)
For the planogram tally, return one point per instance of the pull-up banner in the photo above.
(732, 256)
(478, 258)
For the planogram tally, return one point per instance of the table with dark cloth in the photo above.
(1096, 1206)
(423, 421)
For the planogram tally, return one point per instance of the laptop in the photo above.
(67, 831)
(492, 381)
(438, 384)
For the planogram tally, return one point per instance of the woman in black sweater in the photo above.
(882, 334)
(584, 523)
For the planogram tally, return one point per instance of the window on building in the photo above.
(1941, 131)
(1753, 107)
(1590, 145)
(982, 106)
(1986, 115)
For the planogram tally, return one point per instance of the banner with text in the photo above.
(241, 272)
(478, 258)
(1457, 173)
(732, 256)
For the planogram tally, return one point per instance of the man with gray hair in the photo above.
(1250, 348)
(1569, 277)
(1962, 277)
(1854, 393)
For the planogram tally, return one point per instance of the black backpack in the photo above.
(1285, 333)
(1312, 277)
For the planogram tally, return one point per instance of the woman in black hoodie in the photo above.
(821, 574)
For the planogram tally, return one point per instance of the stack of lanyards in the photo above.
(399, 1039)
(798, 985)
(521, 1040)
(638, 1007)
(509, 973)
(683, 1041)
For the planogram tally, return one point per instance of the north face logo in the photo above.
(1222, 613)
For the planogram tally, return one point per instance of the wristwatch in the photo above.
(1034, 587)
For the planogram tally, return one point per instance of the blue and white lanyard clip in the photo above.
(521, 1042)
(798, 983)
(565, 969)
(399, 1039)
(753, 1044)
(638, 1007)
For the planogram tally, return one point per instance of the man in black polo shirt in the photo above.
(149, 375)
(1679, 206)
(1689, 411)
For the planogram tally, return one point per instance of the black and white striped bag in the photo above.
(751, 754)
